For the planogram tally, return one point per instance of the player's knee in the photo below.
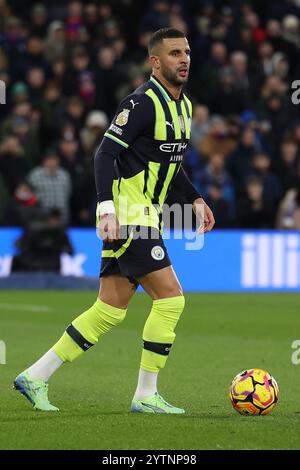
(116, 291)
(179, 304)
(98, 320)
(110, 313)
(170, 306)
(182, 302)
(119, 317)
(175, 291)
(169, 291)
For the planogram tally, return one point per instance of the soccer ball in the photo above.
(253, 392)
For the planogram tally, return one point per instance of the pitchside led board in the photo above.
(223, 260)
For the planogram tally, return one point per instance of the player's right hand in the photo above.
(109, 227)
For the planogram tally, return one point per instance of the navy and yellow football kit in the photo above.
(137, 162)
(143, 147)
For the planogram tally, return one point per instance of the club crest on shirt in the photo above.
(181, 123)
(122, 117)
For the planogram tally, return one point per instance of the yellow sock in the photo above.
(86, 329)
(158, 334)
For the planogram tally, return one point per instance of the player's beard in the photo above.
(172, 78)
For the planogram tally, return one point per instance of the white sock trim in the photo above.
(147, 384)
(45, 366)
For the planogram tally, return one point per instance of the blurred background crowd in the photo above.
(67, 64)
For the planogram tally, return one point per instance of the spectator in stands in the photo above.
(91, 20)
(34, 55)
(52, 102)
(36, 80)
(176, 19)
(281, 66)
(279, 112)
(288, 166)
(4, 68)
(265, 66)
(120, 48)
(219, 205)
(239, 162)
(42, 244)
(26, 131)
(288, 216)
(214, 172)
(74, 21)
(95, 126)
(141, 50)
(19, 92)
(67, 131)
(245, 44)
(273, 85)
(22, 109)
(217, 140)
(228, 99)
(13, 165)
(157, 16)
(252, 20)
(69, 153)
(291, 29)
(84, 199)
(296, 132)
(253, 211)
(107, 19)
(23, 208)
(271, 183)
(87, 89)
(56, 43)
(14, 40)
(4, 201)
(136, 77)
(72, 113)
(209, 79)
(80, 64)
(200, 124)
(279, 43)
(5, 13)
(239, 66)
(108, 80)
(59, 76)
(38, 20)
(52, 185)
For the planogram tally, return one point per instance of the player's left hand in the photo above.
(204, 215)
(109, 227)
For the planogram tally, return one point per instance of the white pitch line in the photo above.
(26, 307)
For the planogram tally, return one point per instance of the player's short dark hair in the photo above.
(163, 33)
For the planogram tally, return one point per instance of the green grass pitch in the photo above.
(218, 336)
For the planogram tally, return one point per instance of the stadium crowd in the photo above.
(67, 64)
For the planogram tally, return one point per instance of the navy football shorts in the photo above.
(141, 250)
